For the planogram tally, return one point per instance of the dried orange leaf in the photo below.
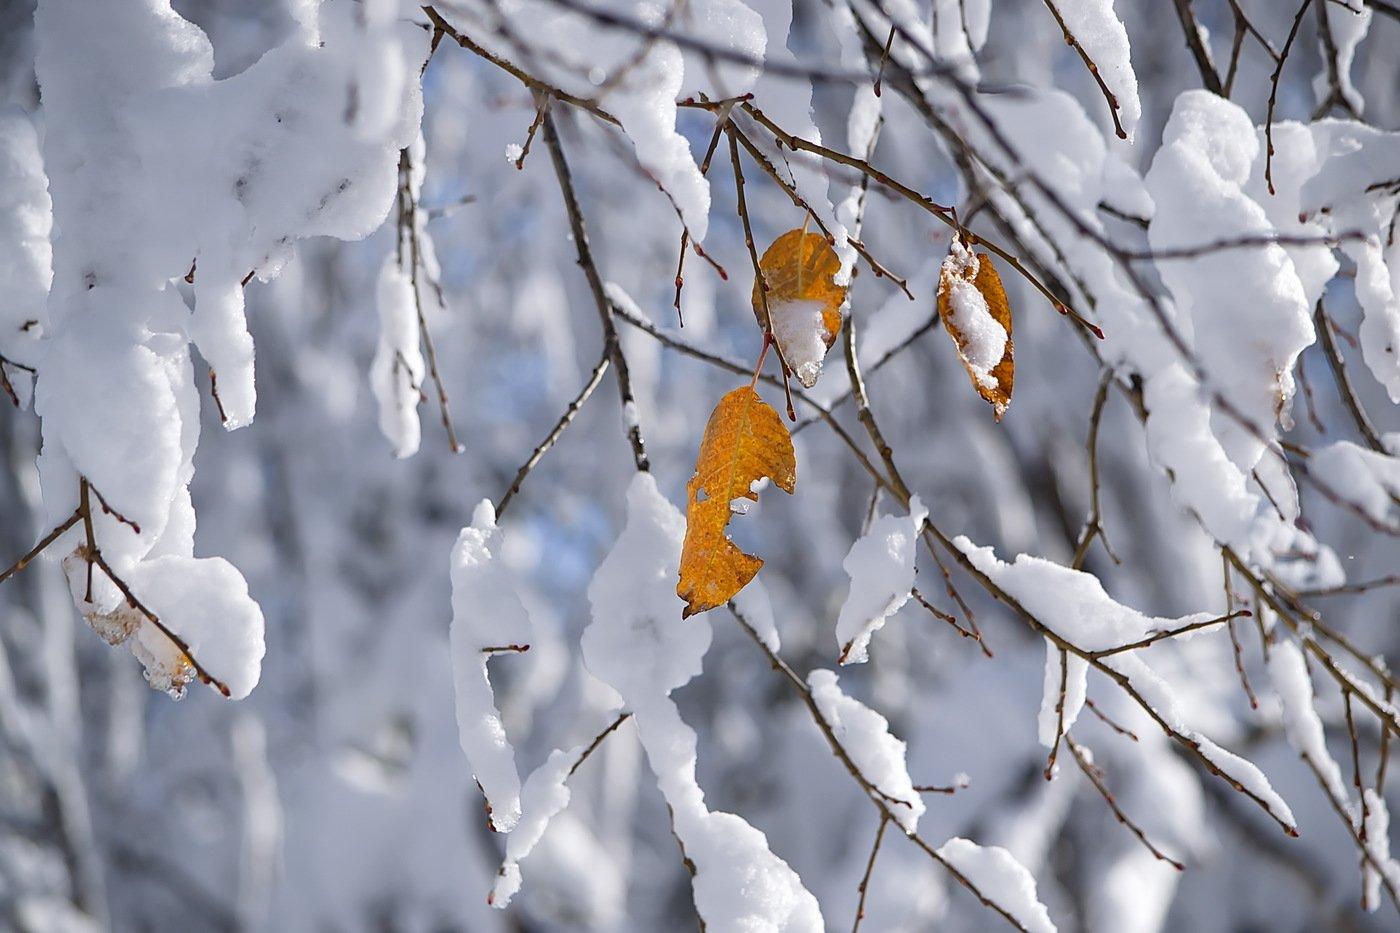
(744, 442)
(974, 308)
(803, 300)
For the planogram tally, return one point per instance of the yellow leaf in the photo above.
(744, 441)
(975, 311)
(803, 299)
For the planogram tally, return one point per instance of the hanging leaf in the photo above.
(745, 441)
(803, 300)
(974, 308)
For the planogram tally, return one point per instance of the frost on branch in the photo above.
(1001, 879)
(865, 735)
(486, 614)
(881, 567)
(639, 644)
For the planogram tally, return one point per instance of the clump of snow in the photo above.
(1074, 677)
(1001, 879)
(1074, 605)
(1101, 34)
(1380, 867)
(26, 256)
(982, 340)
(397, 370)
(157, 172)
(486, 612)
(544, 796)
(1371, 479)
(801, 334)
(639, 644)
(1248, 349)
(1348, 25)
(865, 735)
(205, 601)
(881, 567)
(1289, 674)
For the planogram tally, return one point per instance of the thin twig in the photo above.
(554, 434)
(1091, 771)
(612, 346)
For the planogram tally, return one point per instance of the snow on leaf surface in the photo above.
(486, 612)
(881, 567)
(974, 309)
(804, 301)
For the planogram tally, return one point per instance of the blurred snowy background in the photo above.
(336, 796)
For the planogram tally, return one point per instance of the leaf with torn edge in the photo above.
(804, 301)
(975, 311)
(745, 441)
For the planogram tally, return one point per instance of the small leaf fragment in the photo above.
(974, 309)
(744, 442)
(804, 300)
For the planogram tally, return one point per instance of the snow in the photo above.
(1247, 349)
(865, 735)
(1348, 25)
(1076, 672)
(1351, 158)
(1074, 605)
(1071, 603)
(397, 370)
(1248, 776)
(757, 610)
(1101, 34)
(801, 335)
(543, 797)
(1378, 847)
(204, 601)
(486, 612)
(155, 168)
(982, 339)
(639, 645)
(26, 255)
(1289, 673)
(881, 567)
(1001, 879)
(1370, 479)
